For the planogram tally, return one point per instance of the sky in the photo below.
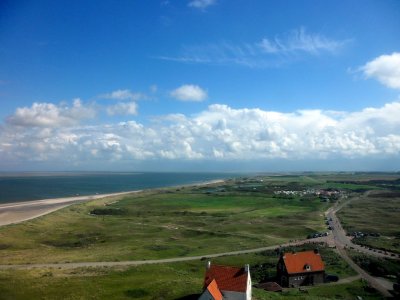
(200, 85)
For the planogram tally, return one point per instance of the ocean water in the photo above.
(35, 186)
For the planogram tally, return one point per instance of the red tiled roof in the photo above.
(214, 290)
(297, 262)
(228, 278)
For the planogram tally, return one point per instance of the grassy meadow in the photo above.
(377, 212)
(160, 281)
(165, 223)
(238, 214)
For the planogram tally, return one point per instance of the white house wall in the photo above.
(248, 290)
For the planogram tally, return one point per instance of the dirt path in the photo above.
(347, 279)
(73, 265)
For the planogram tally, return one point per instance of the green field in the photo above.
(160, 281)
(376, 213)
(239, 214)
(162, 224)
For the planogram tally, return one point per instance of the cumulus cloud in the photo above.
(219, 133)
(123, 95)
(127, 101)
(51, 115)
(201, 4)
(385, 69)
(122, 108)
(189, 92)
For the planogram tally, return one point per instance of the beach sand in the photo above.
(11, 213)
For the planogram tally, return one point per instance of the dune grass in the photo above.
(376, 213)
(235, 215)
(160, 224)
(323, 292)
(160, 281)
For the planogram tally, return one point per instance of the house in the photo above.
(225, 282)
(300, 268)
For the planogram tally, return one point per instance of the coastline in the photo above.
(17, 212)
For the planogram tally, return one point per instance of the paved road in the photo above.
(340, 234)
(342, 242)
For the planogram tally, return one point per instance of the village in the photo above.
(325, 195)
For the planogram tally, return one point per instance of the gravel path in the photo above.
(73, 265)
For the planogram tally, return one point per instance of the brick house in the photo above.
(300, 268)
(228, 283)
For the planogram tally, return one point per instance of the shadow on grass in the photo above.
(136, 293)
(189, 297)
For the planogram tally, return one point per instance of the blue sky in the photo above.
(200, 85)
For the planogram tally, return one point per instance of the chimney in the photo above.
(316, 251)
(246, 268)
(208, 265)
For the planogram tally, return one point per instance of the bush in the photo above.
(108, 211)
(377, 266)
(136, 293)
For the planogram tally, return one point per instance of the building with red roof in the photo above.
(232, 283)
(300, 268)
(211, 292)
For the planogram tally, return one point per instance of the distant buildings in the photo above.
(300, 268)
(228, 283)
(324, 194)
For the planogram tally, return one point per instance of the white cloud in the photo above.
(262, 54)
(384, 68)
(127, 101)
(153, 88)
(219, 133)
(201, 4)
(122, 108)
(51, 115)
(300, 40)
(189, 92)
(123, 95)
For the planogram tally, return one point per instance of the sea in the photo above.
(37, 186)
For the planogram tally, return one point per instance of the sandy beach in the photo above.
(12, 213)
